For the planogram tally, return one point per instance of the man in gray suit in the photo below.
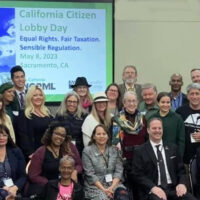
(129, 78)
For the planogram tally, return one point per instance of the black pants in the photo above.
(171, 195)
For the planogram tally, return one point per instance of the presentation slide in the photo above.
(56, 42)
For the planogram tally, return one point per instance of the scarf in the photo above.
(127, 126)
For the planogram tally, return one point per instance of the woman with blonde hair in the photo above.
(72, 115)
(5, 119)
(100, 114)
(33, 121)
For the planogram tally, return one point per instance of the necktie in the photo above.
(163, 177)
(131, 89)
(21, 99)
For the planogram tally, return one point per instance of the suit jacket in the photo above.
(145, 171)
(122, 89)
(18, 165)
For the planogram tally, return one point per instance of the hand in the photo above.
(74, 176)
(108, 192)
(159, 192)
(119, 146)
(30, 156)
(181, 190)
(10, 197)
(196, 136)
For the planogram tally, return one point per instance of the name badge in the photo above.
(108, 178)
(8, 182)
(16, 113)
(74, 142)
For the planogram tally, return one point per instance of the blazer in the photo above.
(18, 165)
(138, 90)
(145, 172)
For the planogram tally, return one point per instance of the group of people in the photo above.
(126, 142)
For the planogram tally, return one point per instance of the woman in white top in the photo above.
(100, 114)
(5, 119)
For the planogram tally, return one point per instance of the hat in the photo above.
(100, 97)
(5, 86)
(81, 81)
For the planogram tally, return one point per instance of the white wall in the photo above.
(159, 37)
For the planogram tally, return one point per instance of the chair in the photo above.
(193, 173)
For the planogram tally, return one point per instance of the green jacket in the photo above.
(145, 110)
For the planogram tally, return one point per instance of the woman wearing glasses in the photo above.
(114, 96)
(45, 161)
(71, 114)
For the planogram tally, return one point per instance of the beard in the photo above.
(130, 81)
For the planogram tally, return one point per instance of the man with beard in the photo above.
(178, 98)
(129, 78)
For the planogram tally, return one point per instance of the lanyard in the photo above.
(105, 160)
(104, 157)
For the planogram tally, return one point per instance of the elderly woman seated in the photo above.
(65, 188)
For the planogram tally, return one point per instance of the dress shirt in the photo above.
(18, 95)
(128, 88)
(161, 148)
(177, 101)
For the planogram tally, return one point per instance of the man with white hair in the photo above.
(191, 117)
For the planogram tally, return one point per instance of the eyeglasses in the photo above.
(131, 101)
(72, 102)
(3, 134)
(113, 90)
(60, 134)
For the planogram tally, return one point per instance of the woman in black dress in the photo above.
(31, 123)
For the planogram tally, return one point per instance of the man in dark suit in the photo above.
(158, 169)
(18, 79)
(178, 98)
(129, 78)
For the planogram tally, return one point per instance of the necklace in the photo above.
(54, 152)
